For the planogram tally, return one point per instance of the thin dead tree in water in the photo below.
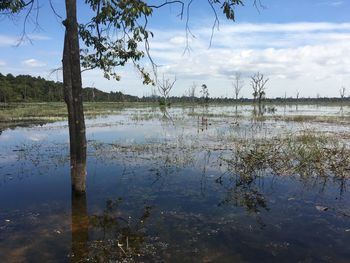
(237, 84)
(192, 92)
(342, 92)
(192, 95)
(297, 101)
(258, 83)
(164, 87)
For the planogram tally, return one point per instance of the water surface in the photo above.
(158, 190)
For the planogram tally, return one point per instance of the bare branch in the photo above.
(165, 86)
(54, 10)
(216, 22)
(170, 3)
(258, 83)
(342, 92)
(237, 84)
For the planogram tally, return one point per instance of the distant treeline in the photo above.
(25, 88)
(278, 100)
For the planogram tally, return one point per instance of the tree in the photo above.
(103, 52)
(258, 83)
(164, 88)
(5, 91)
(205, 93)
(192, 91)
(342, 92)
(237, 84)
(297, 102)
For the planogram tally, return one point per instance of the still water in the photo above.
(158, 191)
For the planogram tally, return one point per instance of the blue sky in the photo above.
(301, 45)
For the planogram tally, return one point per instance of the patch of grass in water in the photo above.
(308, 118)
(304, 154)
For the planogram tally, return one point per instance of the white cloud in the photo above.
(33, 63)
(7, 41)
(294, 52)
(334, 3)
(37, 137)
(311, 57)
(34, 37)
(2, 63)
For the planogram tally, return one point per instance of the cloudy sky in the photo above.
(300, 45)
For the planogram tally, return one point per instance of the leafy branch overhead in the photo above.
(118, 30)
(113, 35)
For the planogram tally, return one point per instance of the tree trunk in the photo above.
(73, 98)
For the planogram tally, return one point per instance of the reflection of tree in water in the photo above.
(202, 122)
(80, 228)
(110, 236)
(166, 115)
(243, 191)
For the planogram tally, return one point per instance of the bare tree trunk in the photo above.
(73, 98)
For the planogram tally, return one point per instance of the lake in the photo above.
(186, 184)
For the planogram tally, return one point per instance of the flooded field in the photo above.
(186, 184)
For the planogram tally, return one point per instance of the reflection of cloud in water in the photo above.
(36, 137)
(6, 137)
(10, 158)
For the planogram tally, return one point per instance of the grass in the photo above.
(308, 118)
(26, 114)
(305, 154)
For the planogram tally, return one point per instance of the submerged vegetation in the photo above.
(305, 153)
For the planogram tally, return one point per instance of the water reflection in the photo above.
(80, 227)
(109, 236)
(166, 115)
(176, 205)
(244, 192)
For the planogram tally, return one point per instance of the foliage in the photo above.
(117, 31)
(25, 88)
(113, 34)
(13, 6)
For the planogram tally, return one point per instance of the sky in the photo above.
(301, 46)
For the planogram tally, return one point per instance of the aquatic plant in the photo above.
(305, 153)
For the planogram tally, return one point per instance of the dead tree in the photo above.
(164, 88)
(192, 91)
(237, 84)
(297, 102)
(342, 92)
(258, 83)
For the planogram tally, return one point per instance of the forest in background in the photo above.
(26, 88)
